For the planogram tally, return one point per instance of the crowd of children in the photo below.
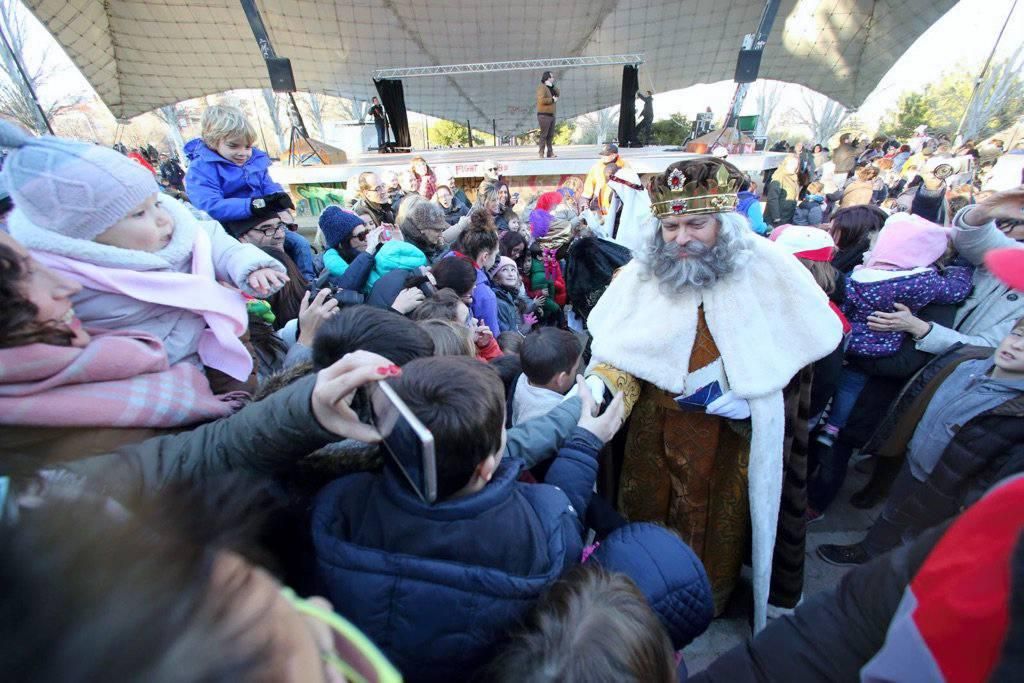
(132, 314)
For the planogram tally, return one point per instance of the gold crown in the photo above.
(681, 197)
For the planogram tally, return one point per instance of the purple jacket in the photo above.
(914, 291)
(223, 189)
(485, 304)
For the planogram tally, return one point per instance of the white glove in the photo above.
(729, 406)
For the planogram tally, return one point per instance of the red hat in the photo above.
(1007, 265)
(549, 200)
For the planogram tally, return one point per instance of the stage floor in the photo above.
(516, 163)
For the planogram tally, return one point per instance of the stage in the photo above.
(520, 166)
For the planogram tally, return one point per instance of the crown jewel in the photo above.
(679, 197)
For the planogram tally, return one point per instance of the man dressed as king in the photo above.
(709, 332)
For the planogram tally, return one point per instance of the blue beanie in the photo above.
(338, 225)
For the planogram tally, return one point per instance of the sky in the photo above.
(962, 38)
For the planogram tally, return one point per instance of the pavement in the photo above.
(843, 523)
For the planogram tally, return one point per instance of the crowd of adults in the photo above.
(631, 392)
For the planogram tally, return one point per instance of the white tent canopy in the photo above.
(142, 54)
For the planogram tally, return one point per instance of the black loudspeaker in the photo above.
(282, 79)
(747, 66)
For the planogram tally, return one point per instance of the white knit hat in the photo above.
(75, 189)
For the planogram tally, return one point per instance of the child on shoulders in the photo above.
(229, 179)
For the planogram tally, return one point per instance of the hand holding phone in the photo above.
(335, 388)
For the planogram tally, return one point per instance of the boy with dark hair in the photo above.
(438, 585)
(551, 358)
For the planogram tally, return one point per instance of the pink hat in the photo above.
(813, 244)
(499, 264)
(1007, 265)
(907, 241)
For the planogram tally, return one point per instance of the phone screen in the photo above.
(408, 443)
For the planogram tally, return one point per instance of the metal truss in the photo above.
(518, 65)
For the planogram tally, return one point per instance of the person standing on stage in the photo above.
(380, 122)
(547, 96)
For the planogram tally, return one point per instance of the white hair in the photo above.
(707, 264)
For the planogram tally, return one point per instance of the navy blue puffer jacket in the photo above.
(436, 587)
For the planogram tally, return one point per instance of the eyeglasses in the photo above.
(280, 227)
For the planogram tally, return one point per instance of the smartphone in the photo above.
(385, 235)
(408, 443)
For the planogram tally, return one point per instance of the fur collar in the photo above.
(176, 256)
(769, 319)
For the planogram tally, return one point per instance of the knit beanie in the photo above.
(907, 241)
(499, 264)
(74, 189)
(338, 225)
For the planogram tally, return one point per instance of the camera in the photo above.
(344, 297)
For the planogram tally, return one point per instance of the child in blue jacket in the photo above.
(438, 585)
(228, 178)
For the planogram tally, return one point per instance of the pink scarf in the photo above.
(197, 292)
(120, 379)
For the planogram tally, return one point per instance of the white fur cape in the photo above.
(769, 319)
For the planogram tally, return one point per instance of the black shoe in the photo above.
(844, 555)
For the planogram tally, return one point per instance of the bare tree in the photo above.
(766, 100)
(275, 118)
(821, 114)
(994, 90)
(16, 100)
(316, 110)
(170, 116)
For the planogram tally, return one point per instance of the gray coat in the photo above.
(992, 308)
(266, 438)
